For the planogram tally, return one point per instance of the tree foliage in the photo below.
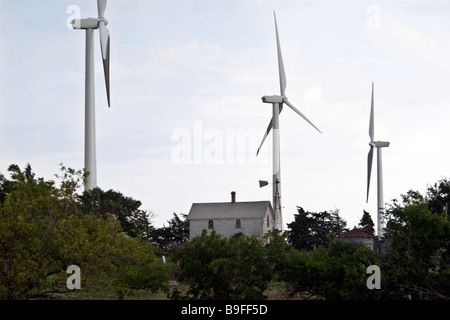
(171, 238)
(438, 197)
(42, 232)
(334, 273)
(134, 221)
(367, 224)
(45, 226)
(313, 229)
(417, 264)
(224, 269)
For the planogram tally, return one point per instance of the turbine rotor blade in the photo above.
(101, 6)
(269, 127)
(371, 123)
(369, 170)
(106, 70)
(299, 113)
(104, 38)
(105, 46)
(104, 43)
(280, 61)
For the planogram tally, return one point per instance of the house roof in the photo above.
(229, 210)
(357, 233)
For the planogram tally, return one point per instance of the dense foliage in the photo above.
(45, 226)
(43, 231)
(314, 229)
(222, 269)
(417, 264)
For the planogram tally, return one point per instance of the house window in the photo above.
(210, 224)
(268, 221)
(238, 223)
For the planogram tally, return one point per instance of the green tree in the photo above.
(171, 237)
(313, 229)
(6, 186)
(438, 197)
(417, 264)
(221, 268)
(42, 232)
(134, 221)
(366, 223)
(334, 273)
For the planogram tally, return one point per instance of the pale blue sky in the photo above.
(201, 67)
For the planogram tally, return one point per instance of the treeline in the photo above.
(46, 225)
(313, 262)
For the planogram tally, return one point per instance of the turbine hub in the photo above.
(104, 20)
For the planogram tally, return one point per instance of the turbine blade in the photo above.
(106, 69)
(371, 123)
(369, 170)
(104, 38)
(101, 6)
(269, 127)
(280, 60)
(299, 113)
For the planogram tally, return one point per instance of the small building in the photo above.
(358, 236)
(252, 219)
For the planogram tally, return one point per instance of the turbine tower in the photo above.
(90, 24)
(277, 102)
(379, 145)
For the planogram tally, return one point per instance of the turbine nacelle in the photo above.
(379, 144)
(88, 23)
(273, 99)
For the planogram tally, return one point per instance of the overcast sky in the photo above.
(187, 77)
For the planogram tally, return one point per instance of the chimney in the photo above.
(233, 197)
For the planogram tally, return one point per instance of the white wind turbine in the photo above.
(378, 145)
(89, 24)
(277, 105)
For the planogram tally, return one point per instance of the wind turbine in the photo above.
(378, 145)
(277, 102)
(89, 24)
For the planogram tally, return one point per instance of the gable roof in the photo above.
(357, 233)
(230, 210)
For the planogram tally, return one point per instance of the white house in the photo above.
(253, 219)
(358, 236)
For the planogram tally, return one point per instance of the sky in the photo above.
(186, 116)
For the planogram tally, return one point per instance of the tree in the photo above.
(134, 221)
(438, 197)
(334, 273)
(42, 232)
(367, 224)
(5, 187)
(221, 268)
(172, 237)
(417, 264)
(312, 229)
